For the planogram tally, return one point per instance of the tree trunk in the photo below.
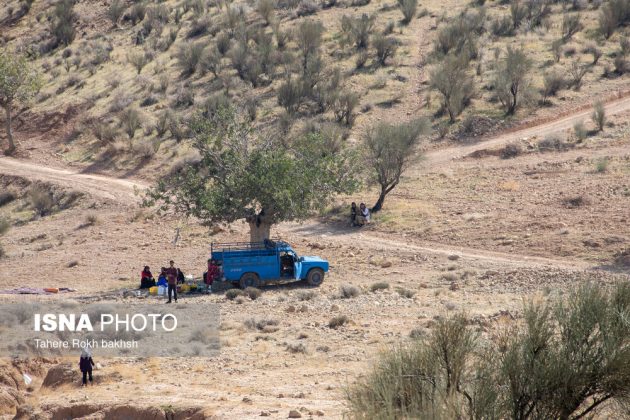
(381, 199)
(11, 148)
(259, 227)
(259, 232)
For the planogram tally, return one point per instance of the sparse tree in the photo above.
(385, 47)
(599, 115)
(553, 82)
(451, 78)
(408, 9)
(512, 79)
(189, 57)
(570, 25)
(357, 31)
(389, 150)
(594, 51)
(211, 61)
(309, 39)
(64, 18)
(556, 49)
(577, 72)
(115, 11)
(131, 121)
(18, 83)
(343, 106)
(138, 59)
(608, 21)
(238, 175)
(265, 9)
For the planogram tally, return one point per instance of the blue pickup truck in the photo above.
(252, 264)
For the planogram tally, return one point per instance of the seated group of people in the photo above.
(147, 281)
(359, 216)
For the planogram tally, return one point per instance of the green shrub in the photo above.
(406, 293)
(290, 95)
(41, 201)
(138, 59)
(344, 105)
(379, 286)
(189, 57)
(130, 121)
(601, 165)
(451, 79)
(511, 150)
(252, 292)
(385, 47)
(303, 295)
(137, 12)
(579, 131)
(408, 9)
(115, 11)
(347, 291)
(265, 9)
(568, 358)
(594, 51)
(6, 197)
(357, 30)
(4, 226)
(512, 79)
(553, 82)
(599, 115)
(570, 25)
(64, 19)
(338, 321)
(234, 293)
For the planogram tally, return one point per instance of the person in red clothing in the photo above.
(146, 278)
(213, 273)
(171, 278)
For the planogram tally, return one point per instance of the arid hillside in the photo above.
(122, 78)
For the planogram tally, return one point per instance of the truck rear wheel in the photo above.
(249, 280)
(315, 277)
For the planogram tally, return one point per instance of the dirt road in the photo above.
(126, 191)
(439, 157)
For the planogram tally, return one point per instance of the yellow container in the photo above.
(185, 288)
(153, 290)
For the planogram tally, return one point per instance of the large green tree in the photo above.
(240, 175)
(18, 83)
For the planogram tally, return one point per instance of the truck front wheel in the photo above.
(315, 277)
(249, 280)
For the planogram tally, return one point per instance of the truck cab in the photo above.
(253, 264)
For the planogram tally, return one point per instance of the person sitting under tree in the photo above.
(364, 215)
(146, 278)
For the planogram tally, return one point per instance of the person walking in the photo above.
(85, 364)
(171, 278)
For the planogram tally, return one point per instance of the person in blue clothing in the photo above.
(162, 278)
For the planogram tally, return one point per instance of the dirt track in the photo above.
(442, 156)
(125, 191)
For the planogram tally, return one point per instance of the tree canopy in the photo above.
(263, 180)
(18, 83)
(390, 148)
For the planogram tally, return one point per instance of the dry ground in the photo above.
(478, 235)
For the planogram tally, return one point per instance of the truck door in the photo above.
(297, 271)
